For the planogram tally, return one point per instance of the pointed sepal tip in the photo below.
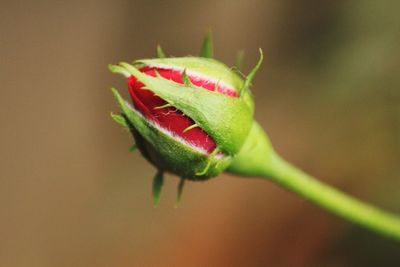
(179, 192)
(119, 119)
(207, 48)
(160, 52)
(250, 76)
(158, 182)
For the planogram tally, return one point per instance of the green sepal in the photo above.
(250, 76)
(160, 52)
(167, 152)
(180, 191)
(158, 182)
(204, 66)
(133, 148)
(207, 50)
(207, 67)
(119, 70)
(226, 119)
(119, 119)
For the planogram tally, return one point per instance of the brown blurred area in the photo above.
(72, 195)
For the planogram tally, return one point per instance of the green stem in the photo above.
(332, 199)
(258, 158)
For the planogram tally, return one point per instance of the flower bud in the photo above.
(190, 115)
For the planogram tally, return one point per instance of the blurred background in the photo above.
(72, 195)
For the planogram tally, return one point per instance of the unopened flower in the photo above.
(193, 116)
(189, 116)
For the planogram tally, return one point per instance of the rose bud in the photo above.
(193, 116)
(190, 115)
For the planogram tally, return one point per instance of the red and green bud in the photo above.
(190, 115)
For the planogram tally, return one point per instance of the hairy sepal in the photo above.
(226, 119)
(168, 152)
(208, 67)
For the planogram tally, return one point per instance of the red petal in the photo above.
(170, 118)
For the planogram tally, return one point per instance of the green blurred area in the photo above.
(71, 194)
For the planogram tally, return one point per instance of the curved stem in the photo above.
(257, 158)
(331, 199)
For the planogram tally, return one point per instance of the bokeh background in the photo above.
(72, 195)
